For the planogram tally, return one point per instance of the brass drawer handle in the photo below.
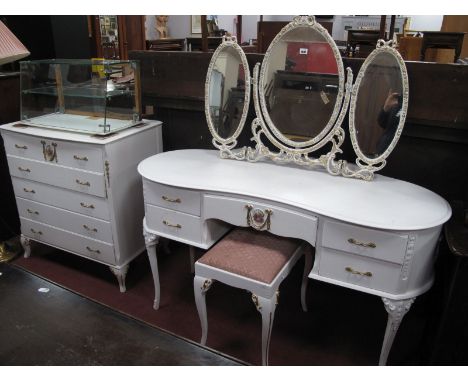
(24, 169)
(89, 229)
(82, 182)
(361, 244)
(86, 205)
(80, 158)
(31, 191)
(93, 250)
(351, 270)
(171, 225)
(34, 231)
(32, 212)
(21, 147)
(167, 199)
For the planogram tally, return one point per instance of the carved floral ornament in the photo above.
(266, 131)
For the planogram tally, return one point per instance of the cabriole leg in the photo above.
(26, 244)
(396, 310)
(200, 286)
(267, 307)
(150, 241)
(121, 274)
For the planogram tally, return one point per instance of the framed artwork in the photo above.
(195, 25)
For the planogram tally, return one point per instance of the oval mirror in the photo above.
(301, 83)
(227, 92)
(378, 104)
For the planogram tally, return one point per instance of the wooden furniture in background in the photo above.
(195, 44)
(442, 40)
(166, 44)
(366, 40)
(131, 36)
(457, 23)
(410, 47)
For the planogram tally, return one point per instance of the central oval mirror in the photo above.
(301, 84)
(379, 104)
(227, 92)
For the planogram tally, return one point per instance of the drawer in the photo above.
(177, 199)
(62, 198)
(92, 249)
(73, 179)
(173, 224)
(70, 154)
(283, 222)
(69, 221)
(373, 273)
(381, 245)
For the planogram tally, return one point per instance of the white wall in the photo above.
(426, 23)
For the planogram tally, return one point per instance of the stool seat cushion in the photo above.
(252, 254)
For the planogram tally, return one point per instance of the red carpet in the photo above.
(342, 327)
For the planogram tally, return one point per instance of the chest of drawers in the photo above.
(81, 193)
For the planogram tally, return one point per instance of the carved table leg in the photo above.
(120, 274)
(396, 310)
(201, 285)
(150, 241)
(26, 244)
(266, 307)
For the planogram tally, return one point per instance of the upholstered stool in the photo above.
(252, 260)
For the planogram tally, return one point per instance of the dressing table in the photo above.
(371, 233)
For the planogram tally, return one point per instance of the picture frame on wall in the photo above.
(195, 24)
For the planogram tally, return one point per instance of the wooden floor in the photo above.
(61, 328)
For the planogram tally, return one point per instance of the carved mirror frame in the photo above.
(291, 151)
(227, 145)
(366, 167)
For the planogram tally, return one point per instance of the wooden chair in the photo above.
(255, 261)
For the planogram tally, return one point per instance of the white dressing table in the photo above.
(377, 237)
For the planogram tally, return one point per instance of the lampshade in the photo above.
(11, 48)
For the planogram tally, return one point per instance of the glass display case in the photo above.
(89, 96)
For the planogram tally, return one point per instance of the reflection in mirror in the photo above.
(378, 110)
(227, 92)
(301, 84)
(379, 105)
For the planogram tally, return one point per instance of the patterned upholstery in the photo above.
(256, 255)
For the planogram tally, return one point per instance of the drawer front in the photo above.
(365, 242)
(283, 222)
(173, 223)
(92, 249)
(77, 180)
(177, 199)
(59, 197)
(69, 221)
(77, 155)
(358, 270)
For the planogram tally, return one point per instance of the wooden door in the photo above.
(132, 34)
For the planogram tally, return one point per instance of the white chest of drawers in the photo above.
(81, 193)
(376, 237)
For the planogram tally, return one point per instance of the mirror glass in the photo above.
(300, 84)
(379, 104)
(227, 92)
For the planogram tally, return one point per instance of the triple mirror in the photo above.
(301, 94)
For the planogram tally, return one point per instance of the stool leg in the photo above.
(192, 259)
(305, 277)
(267, 307)
(200, 287)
